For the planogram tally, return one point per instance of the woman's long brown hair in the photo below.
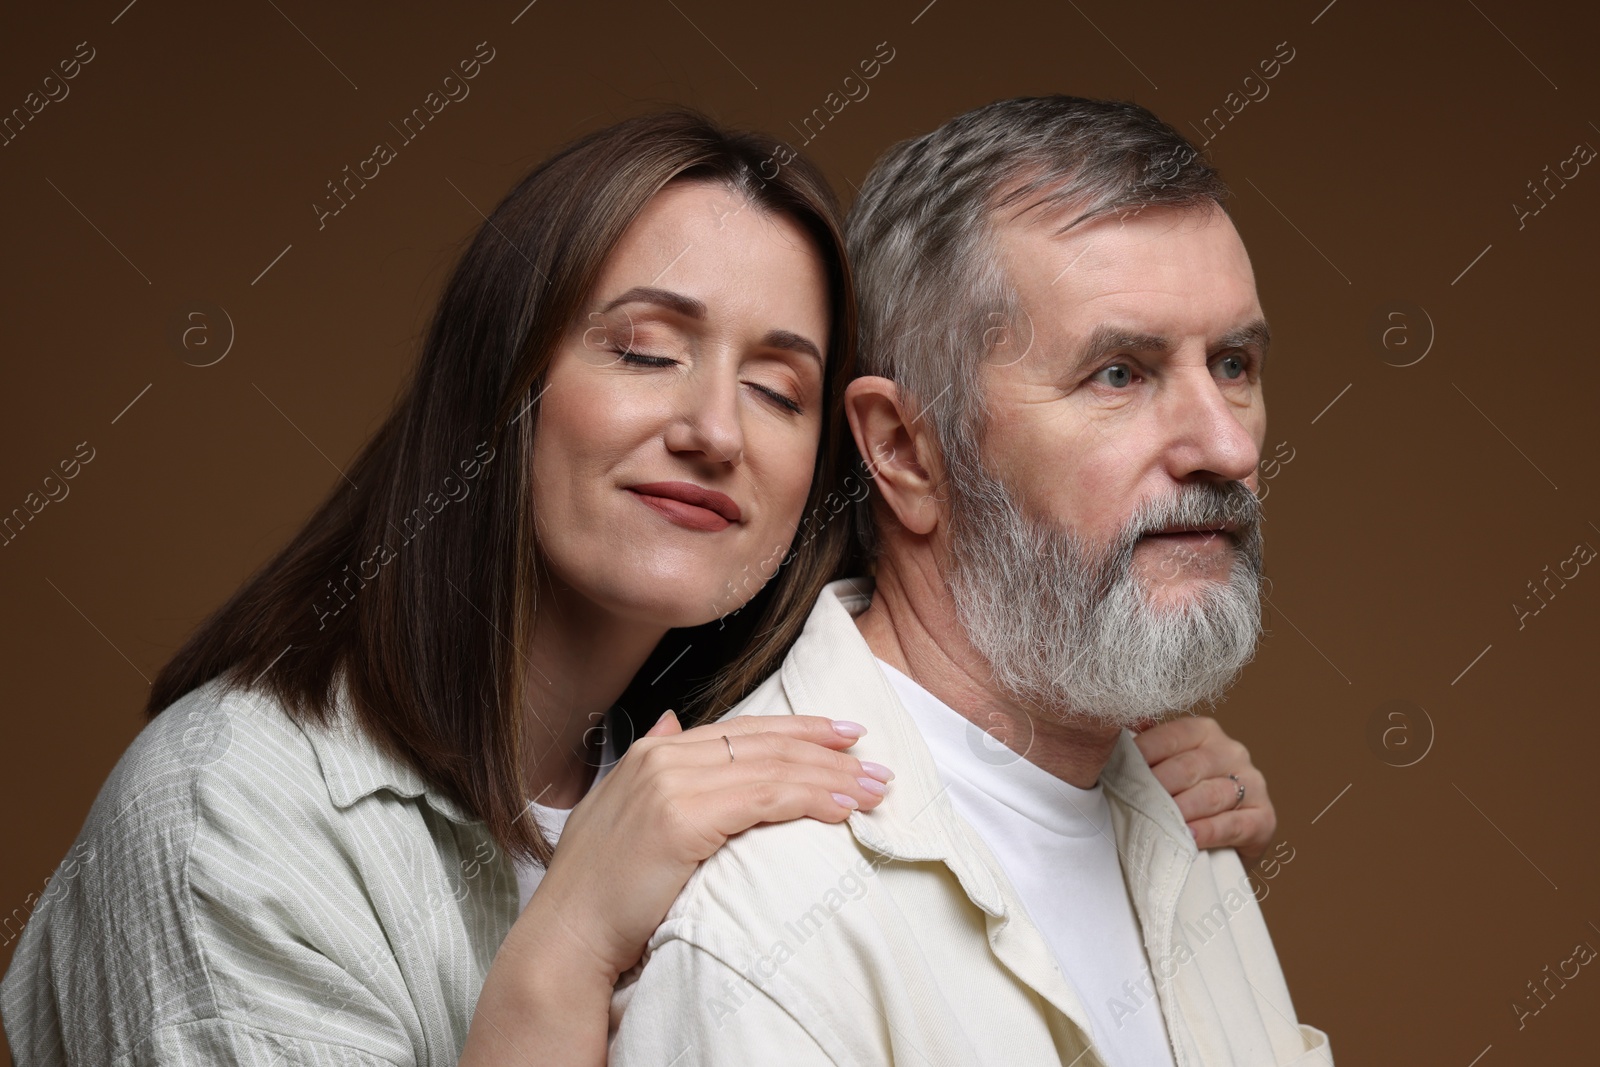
(413, 581)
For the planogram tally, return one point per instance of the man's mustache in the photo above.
(1228, 505)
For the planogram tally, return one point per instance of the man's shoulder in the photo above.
(768, 698)
(766, 882)
(770, 863)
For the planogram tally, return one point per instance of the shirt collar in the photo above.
(963, 751)
(354, 766)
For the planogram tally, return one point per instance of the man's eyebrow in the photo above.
(792, 342)
(1109, 337)
(645, 294)
(1253, 333)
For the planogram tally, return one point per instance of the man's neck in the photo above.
(912, 625)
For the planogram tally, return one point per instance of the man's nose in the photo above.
(1204, 430)
(706, 418)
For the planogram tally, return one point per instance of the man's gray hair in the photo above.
(933, 297)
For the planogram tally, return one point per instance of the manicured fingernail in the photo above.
(872, 785)
(877, 770)
(846, 801)
(1193, 834)
(846, 728)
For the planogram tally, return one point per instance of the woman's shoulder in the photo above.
(237, 757)
(227, 771)
(124, 889)
(218, 856)
(215, 736)
(218, 741)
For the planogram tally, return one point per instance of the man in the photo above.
(1063, 410)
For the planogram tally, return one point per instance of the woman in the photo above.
(328, 844)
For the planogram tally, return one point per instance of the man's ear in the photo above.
(900, 454)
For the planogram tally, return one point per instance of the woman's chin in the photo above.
(680, 605)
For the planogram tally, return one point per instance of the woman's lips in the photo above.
(688, 505)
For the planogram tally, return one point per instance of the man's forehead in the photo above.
(1147, 235)
(1167, 269)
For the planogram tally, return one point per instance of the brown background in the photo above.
(1414, 511)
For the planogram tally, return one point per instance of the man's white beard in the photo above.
(1070, 632)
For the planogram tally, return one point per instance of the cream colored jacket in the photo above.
(895, 937)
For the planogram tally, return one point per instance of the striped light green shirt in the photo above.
(246, 890)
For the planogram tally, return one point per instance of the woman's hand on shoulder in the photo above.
(624, 855)
(1192, 757)
(676, 797)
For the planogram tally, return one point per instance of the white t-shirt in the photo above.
(553, 820)
(1057, 846)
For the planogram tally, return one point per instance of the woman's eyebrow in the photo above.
(690, 307)
(645, 294)
(792, 342)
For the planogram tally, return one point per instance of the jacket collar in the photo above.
(832, 671)
(354, 766)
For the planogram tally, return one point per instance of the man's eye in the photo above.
(1233, 365)
(642, 360)
(1117, 375)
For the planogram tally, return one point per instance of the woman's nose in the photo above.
(707, 419)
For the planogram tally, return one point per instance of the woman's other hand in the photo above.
(1192, 758)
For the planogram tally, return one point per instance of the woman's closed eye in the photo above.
(776, 396)
(643, 359)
